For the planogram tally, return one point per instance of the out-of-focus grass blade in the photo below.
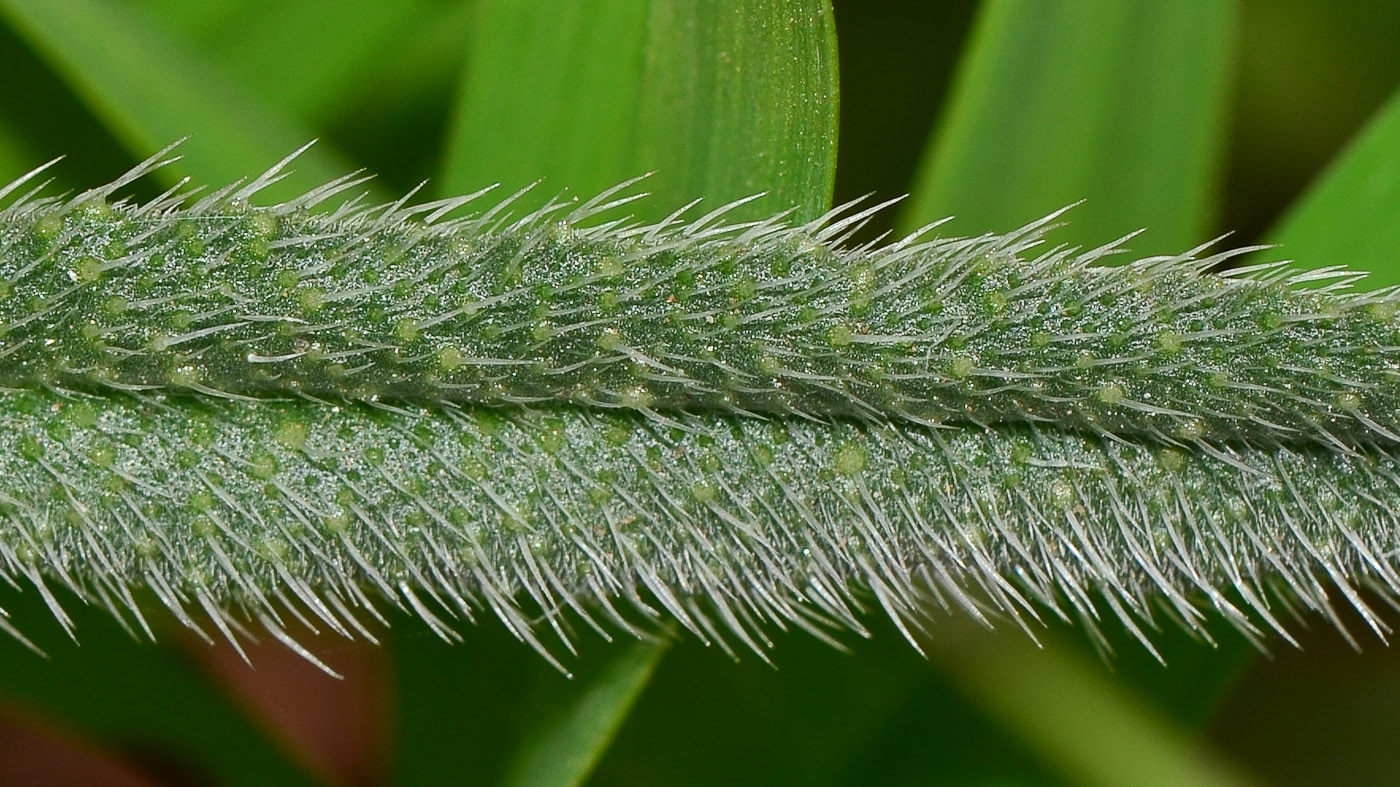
(204, 20)
(144, 701)
(309, 58)
(563, 746)
(150, 91)
(1119, 104)
(1310, 76)
(475, 712)
(15, 156)
(721, 101)
(429, 56)
(1351, 215)
(424, 65)
(548, 92)
(1074, 714)
(885, 120)
(371, 74)
(396, 117)
(740, 98)
(816, 715)
(46, 121)
(376, 77)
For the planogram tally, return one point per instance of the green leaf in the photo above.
(309, 59)
(1351, 215)
(202, 21)
(741, 98)
(721, 101)
(426, 64)
(564, 745)
(374, 76)
(15, 156)
(473, 712)
(1119, 104)
(151, 91)
(1072, 712)
(548, 92)
(145, 701)
(816, 715)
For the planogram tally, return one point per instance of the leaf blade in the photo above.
(1351, 215)
(308, 60)
(1058, 102)
(700, 128)
(672, 92)
(570, 121)
(150, 91)
(564, 749)
(1095, 730)
(15, 156)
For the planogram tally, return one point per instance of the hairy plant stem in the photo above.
(262, 412)
(727, 525)
(561, 306)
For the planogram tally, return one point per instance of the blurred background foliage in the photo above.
(1189, 118)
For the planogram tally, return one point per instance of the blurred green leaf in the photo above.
(722, 101)
(15, 156)
(741, 98)
(815, 715)
(374, 77)
(468, 713)
(1073, 713)
(456, 707)
(1120, 104)
(202, 21)
(146, 702)
(884, 120)
(428, 58)
(46, 121)
(1310, 76)
(310, 58)
(548, 92)
(1351, 215)
(151, 91)
(565, 743)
